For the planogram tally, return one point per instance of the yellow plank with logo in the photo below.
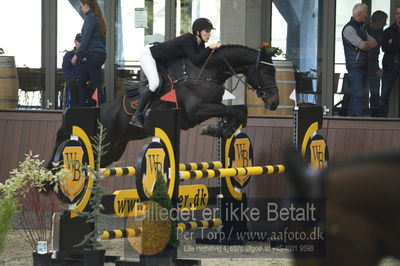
(193, 197)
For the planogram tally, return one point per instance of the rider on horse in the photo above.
(188, 45)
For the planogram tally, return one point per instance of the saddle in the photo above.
(134, 89)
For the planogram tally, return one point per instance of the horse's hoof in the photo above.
(227, 133)
(204, 130)
(213, 131)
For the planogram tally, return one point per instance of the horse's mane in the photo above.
(234, 51)
(235, 46)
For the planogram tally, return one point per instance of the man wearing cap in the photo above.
(71, 73)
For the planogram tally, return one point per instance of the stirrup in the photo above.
(136, 121)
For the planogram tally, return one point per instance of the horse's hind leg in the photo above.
(231, 118)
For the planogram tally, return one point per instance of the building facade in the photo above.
(308, 31)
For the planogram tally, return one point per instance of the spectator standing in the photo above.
(375, 29)
(70, 73)
(93, 48)
(357, 42)
(391, 61)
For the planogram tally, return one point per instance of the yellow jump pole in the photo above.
(200, 166)
(119, 171)
(230, 172)
(130, 170)
(114, 234)
(187, 226)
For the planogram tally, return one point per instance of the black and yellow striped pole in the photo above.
(188, 226)
(200, 166)
(119, 171)
(130, 170)
(116, 234)
(230, 172)
(135, 232)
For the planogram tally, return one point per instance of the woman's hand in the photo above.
(74, 59)
(215, 46)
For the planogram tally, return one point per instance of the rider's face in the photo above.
(84, 7)
(205, 35)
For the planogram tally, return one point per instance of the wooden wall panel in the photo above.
(21, 131)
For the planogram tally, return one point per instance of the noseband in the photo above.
(261, 93)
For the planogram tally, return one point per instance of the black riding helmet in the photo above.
(202, 24)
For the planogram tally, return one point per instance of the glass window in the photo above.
(189, 10)
(69, 23)
(139, 23)
(342, 90)
(295, 30)
(21, 37)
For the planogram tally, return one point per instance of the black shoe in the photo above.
(136, 121)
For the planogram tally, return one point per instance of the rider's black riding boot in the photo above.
(138, 117)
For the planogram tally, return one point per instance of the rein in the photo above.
(204, 65)
(233, 73)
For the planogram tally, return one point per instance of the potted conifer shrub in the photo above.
(92, 255)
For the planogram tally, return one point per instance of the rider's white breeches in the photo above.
(149, 68)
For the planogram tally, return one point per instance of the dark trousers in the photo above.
(91, 71)
(374, 83)
(72, 87)
(388, 79)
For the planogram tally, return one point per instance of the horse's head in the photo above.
(261, 77)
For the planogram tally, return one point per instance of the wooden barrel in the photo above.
(8, 83)
(286, 84)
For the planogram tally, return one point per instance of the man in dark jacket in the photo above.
(357, 42)
(71, 73)
(375, 29)
(391, 61)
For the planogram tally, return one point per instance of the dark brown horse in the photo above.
(199, 93)
(362, 208)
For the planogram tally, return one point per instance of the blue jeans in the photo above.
(388, 79)
(357, 78)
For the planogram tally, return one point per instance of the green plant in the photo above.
(160, 195)
(276, 51)
(31, 173)
(8, 210)
(91, 240)
(27, 191)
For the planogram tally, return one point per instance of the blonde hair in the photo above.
(94, 6)
(358, 8)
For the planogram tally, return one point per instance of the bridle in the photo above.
(258, 90)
